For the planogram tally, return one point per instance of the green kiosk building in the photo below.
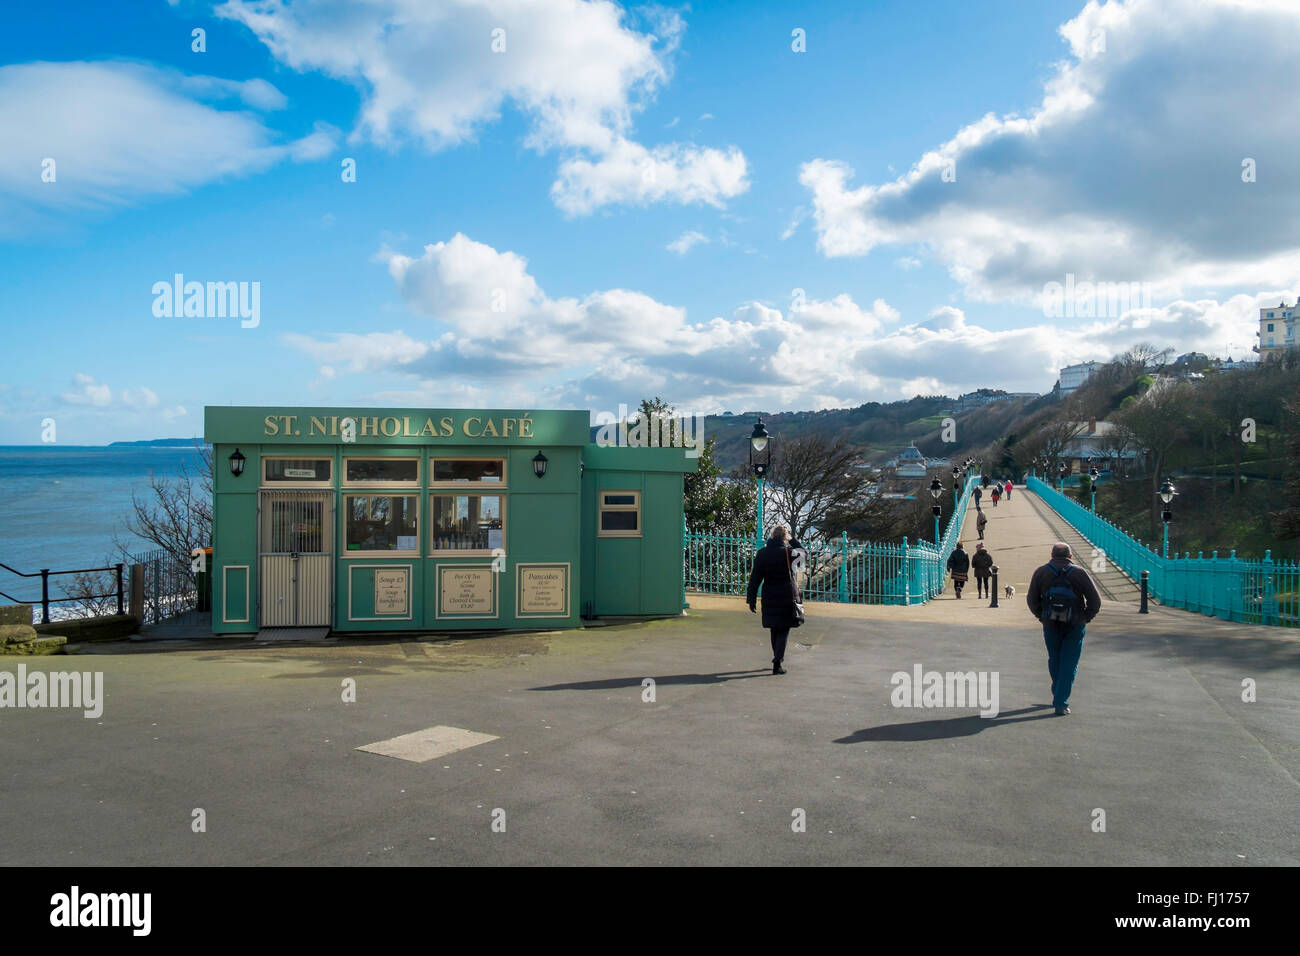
(437, 519)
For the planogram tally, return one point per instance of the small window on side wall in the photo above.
(620, 514)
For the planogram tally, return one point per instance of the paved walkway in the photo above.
(1020, 534)
(713, 769)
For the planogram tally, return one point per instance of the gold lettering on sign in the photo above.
(317, 426)
(272, 427)
(491, 429)
(392, 591)
(467, 591)
(369, 426)
(448, 429)
(429, 429)
(386, 430)
(525, 426)
(543, 590)
(465, 427)
(507, 426)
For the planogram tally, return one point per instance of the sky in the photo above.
(577, 204)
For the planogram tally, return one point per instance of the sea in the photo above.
(65, 507)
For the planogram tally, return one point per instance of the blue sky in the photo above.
(509, 238)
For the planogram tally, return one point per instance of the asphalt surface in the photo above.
(710, 772)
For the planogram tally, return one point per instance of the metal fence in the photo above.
(169, 585)
(1253, 591)
(850, 572)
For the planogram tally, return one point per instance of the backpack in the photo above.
(1060, 601)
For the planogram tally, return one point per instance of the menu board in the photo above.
(393, 591)
(543, 590)
(467, 591)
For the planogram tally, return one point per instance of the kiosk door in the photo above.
(295, 546)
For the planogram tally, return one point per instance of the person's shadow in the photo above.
(963, 726)
(615, 683)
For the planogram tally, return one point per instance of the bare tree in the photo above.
(1115, 443)
(815, 484)
(1157, 422)
(1052, 438)
(93, 593)
(175, 514)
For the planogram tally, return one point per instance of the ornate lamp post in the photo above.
(1093, 475)
(956, 488)
(760, 462)
(1167, 493)
(1060, 486)
(936, 489)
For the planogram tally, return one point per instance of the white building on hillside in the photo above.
(1073, 376)
(1276, 329)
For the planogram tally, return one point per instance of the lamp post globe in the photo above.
(1166, 494)
(1093, 475)
(760, 462)
(936, 489)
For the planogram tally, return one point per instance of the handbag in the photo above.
(797, 618)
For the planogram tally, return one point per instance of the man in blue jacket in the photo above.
(1063, 597)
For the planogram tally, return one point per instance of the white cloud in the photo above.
(907, 262)
(1129, 169)
(437, 72)
(122, 132)
(139, 397)
(629, 173)
(796, 221)
(139, 404)
(88, 392)
(682, 244)
(496, 336)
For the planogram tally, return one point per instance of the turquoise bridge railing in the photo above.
(1235, 589)
(850, 572)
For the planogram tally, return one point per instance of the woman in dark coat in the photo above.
(958, 566)
(981, 563)
(773, 566)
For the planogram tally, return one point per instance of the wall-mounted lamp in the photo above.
(237, 463)
(539, 464)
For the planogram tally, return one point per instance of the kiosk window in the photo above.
(382, 523)
(620, 514)
(296, 471)
(473, 471)
(384, 471)
(468, 522)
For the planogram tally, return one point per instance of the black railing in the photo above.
(45, 574)
(168, 585)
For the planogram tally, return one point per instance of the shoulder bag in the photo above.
(797, 618)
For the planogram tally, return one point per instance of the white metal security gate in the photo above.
(295, 547)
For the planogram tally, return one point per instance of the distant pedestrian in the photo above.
(995, 494)
(978, 495)
(1063, 597)
(774, 570)
(985, 480)
(958, 566)
(1008, 487)
(981, 561)
(981, 521)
